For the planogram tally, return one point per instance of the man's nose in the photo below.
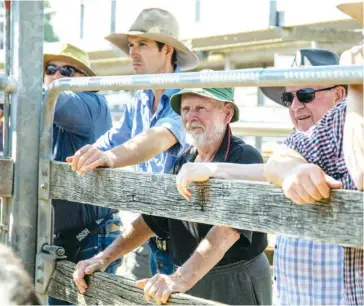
(57, 75)
(191, 115)
(296, 104)
(133, 52)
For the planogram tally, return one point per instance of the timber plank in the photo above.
(106, 289)
(6, 177)
(239, 204)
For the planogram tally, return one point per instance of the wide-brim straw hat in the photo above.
(158, 25)
(218, 94)
(303, 58)
(353, 9)
(71, 54)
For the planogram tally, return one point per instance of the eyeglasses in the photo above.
(67, 71)
(304, 95)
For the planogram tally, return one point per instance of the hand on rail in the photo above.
(87, 267)
(88, 158)
(308, 183)
(193, 172)
(161, 286)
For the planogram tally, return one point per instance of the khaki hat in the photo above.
(353, 9)
(72, 54)
(218, 94)
(159, 25)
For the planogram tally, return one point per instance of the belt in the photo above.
(160, 243)
(112, 227)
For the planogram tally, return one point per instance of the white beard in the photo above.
(203, 139)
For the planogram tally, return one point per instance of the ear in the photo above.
(340, 94)
(169, 49)
(229, 112)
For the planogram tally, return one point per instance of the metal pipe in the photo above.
(5, 202)
(329, 75)
(7, 44)
(113, 16)
(27, 69)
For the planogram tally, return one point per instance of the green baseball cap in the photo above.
(218, 94)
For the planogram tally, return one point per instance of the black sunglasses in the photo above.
(67, 71)
(304, 95)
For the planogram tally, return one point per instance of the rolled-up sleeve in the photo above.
(173, 123)
(118, 134)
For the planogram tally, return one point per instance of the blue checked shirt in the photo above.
(137, 118)
(316, 273)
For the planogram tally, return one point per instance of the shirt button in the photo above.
(275, 278)
(275, 246)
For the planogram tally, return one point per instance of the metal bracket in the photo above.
(44, 179)
(4, 228)
(45, 266)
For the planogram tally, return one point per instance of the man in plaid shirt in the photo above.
(328, 158)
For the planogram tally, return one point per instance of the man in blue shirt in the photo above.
(150, 134)
(79, 119)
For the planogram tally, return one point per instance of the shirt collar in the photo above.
(167, 93)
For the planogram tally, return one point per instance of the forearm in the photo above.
(209, 252)
(280, 164)
(142, 147)
(136, 234)
(229, 171)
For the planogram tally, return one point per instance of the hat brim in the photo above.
(186, 59)
(56, 57)
(353, 9)
(176, 100)
(273, 93)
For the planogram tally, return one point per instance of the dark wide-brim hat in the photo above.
(303, 58)
(218, 94)
(158, 25)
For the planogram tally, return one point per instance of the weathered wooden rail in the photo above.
(239, 204)
(106, 289)
(6, 175)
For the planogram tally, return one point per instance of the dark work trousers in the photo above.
(241, 283)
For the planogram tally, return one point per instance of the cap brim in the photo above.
(353, 9)
(186, 59)
(176, 100)
(273, 93)
(53, 57)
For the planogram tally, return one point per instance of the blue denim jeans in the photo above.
(159, 260)
(93, 245)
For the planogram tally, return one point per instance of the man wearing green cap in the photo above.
(209, 260)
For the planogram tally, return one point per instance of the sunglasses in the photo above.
(67, 71)
(304, 95)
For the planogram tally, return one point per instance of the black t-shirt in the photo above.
(184, 237)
